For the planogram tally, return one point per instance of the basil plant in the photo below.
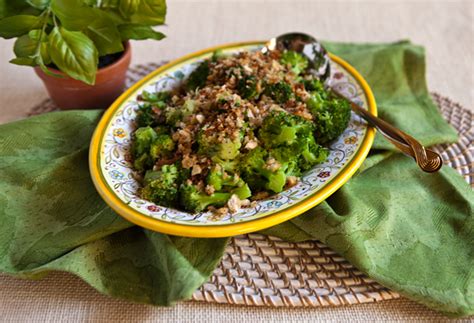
(73, 34)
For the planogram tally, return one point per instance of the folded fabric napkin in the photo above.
(410, 231)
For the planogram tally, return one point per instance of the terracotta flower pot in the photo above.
(69, 93)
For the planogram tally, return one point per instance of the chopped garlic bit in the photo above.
(234, 204)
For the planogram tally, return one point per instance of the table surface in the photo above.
(445, 28)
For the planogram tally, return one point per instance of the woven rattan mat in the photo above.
(266, 271)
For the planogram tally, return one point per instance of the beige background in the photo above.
(445, 28)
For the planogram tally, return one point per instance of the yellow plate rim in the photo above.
(229, 229)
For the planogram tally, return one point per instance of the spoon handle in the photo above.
(428, 160)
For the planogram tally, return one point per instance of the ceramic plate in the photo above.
(112, 173)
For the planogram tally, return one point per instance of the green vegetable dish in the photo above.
(239, 129)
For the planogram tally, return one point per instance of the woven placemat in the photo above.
(266, 271)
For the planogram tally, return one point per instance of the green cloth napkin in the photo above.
(411, 231)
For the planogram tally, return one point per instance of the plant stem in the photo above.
(43, 29)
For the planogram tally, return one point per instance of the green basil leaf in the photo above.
(115, 16)
(11, 8)
(74, 54)
(139, 32)
(24, 61)
(128, 7)
(44, 52)
(25, 46)
(105, 4)
(35, 34)
(150, 12)
(73, 14)
(39, 4)
(16, 26)
(39, 61)
(104, 34)
(45, 69)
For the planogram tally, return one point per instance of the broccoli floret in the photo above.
(315, 85)
(161, 187)
(193, 200)
(198, 77)
(258, 175)
(162, 147)
(188, 108)
(158, 99)
(174, 115)
(331, 117)
(148, 146)
(281, 128)
(311, 153)
(144, 137)
(161, 130)
(145, 115)
(280, 92)
(247, 87)
(227, 165)
(223, 181)
(217, 54)
(331, 114)
(228, 149)
(143, 162)
(291, 141)
(243, 192)
(218, 178)
(297, 62)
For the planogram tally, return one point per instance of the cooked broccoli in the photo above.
(218, 178)
(159, 99)
(145, 114)
(144, 137)
(247, 87)
(194, 200)
(226, 150)
(162, 147)
(162, 130)
(243, 192)
(161, 187)
(290, 140)
(149, 146)
(217, 54)
(282, 128)
(188, 108)
(277, 149)
(280, 92)
(296, 61)
(175, 114)
(227, 165)
(258, 175)
(198, 78)
(311, 153)
(143, 162)
(221, 180)
(331, 116)
(315, 85)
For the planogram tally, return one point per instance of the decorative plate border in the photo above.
(111, 170)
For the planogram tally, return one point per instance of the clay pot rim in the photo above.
(103, 70)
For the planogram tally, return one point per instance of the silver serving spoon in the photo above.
(427, 160)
